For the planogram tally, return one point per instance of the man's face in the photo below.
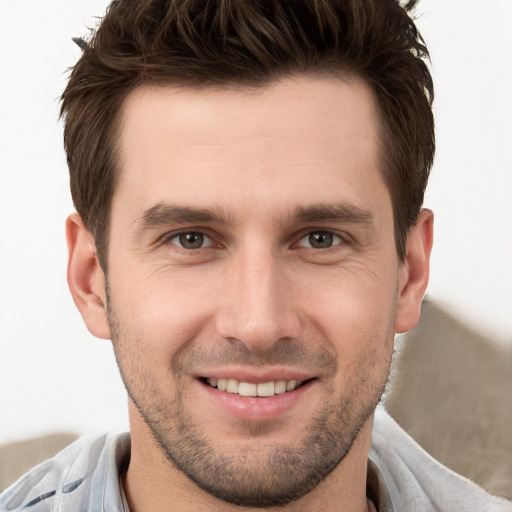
(252, 247)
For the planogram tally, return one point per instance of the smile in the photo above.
(264, 389)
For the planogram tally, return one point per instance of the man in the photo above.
(248, 178)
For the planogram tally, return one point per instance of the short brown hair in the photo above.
(249, 43)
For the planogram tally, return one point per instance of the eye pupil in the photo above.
(321, 240)
(191, 240)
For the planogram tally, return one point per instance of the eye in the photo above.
(320, 240)
(191, 240)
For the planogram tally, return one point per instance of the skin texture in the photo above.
(294, 275)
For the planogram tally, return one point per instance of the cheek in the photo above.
(354, 313)
(161, 309)
(349, 307)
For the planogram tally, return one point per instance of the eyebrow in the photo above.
(163, 214)
(343, 212)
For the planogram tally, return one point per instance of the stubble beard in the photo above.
(258, 474)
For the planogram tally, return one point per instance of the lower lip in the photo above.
(257, 408)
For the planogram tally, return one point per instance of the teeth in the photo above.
(266, 389)
(248, 389)
(280, 387)
(291, 385)
(232, 386)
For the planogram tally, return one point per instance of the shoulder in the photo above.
(85, 471)
(416, 481)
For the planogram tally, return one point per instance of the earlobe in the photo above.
(414, 272)
(85, 277)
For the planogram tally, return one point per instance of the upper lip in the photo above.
(254, 376)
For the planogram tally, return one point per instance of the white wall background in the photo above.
(54, 375)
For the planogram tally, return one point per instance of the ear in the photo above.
(414, 272)
(85, 277)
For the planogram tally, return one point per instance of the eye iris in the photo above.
(191, 240)
(321, 240)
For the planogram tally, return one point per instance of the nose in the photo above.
(258, 307)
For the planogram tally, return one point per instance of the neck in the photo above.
(153, 483)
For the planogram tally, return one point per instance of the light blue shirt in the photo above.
(402, 477)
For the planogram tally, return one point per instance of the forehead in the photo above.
(287, 141)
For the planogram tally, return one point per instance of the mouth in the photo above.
(258, 398)
(249, 389)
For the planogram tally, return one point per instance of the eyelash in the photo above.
(341, 239)
(170, 237)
